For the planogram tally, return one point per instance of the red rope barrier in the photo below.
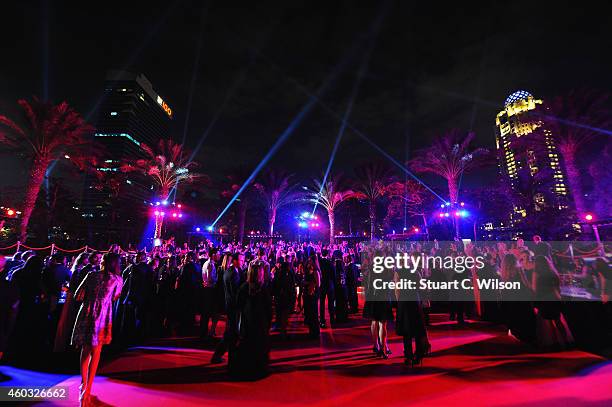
(9, 247)
(37, 248)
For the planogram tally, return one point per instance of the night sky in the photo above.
(433, 66)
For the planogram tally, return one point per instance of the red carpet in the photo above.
(473, 365)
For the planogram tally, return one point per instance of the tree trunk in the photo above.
(241, 220)
(453, 190)
(35, 180)
(159, 219)
(573, 180)
(425, 225)
(372, 211)
(272, 220)
(332, 225)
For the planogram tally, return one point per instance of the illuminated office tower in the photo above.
(528, 155)
(131, 113)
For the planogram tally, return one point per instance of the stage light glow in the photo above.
(416, 230)
(10, 212)
(156, 213)
(174, 214)
(588, 217)
(303, 224)
(162, 213)
(210, 228)
(463, 213)
(157, 203)
(441, 215)
(198, 229)
(164, 202)
(305, 214)
(462, 204)
(180, 215)
(157, 242)
(441, 205)
(446, 214)
(179, 206)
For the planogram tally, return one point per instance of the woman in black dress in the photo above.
(516, 304)
(250, 358)
(311, 288)
(283, 287)
(552, 330)
(341, 291)
(378, 308)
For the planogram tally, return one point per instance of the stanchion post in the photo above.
(18, 245)
(52, 249)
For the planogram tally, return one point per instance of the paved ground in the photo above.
(473, 365)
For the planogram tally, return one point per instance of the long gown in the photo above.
(249, 359)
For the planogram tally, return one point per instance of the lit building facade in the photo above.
(528, 155)
(130, 114)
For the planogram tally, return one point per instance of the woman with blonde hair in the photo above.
(93, 327)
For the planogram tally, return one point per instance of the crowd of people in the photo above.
(55, 303)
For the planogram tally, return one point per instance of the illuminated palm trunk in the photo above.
(272, 220)
(453, 189)
(332, 225)
(159, 217)
(35, 180)
(242, 209)
(372, 210)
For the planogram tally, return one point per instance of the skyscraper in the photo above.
(528, 157)
(130, 114)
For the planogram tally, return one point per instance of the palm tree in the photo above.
(168, 165)
(407, 198)
(330, 195)
(276, 190)
(449, 157)
(372, 181)
(571, 120)
(49, 133)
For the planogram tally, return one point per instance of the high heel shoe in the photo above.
(417, 361)
(375, 349)
(383, 354)
(388, 351)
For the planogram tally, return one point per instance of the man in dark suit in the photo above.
(328, 281)
(139, 279)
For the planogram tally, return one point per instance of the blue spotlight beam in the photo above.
(194, 72)
(313, 99)
(362, 136)
(279, 142)
(363, 68)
